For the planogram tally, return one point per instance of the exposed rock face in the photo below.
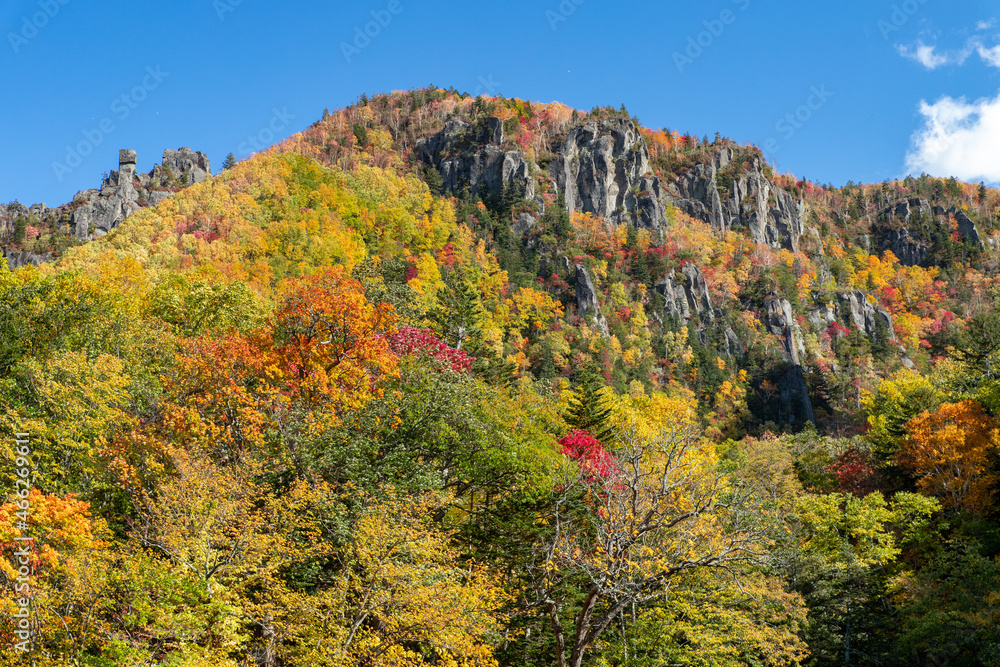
(687, 296)
(908, 248)
(794, 394)
(95, 212)
(524, 224)
(466, 158)
(779, 321)
(966, 227)
(897, 229)
(16, 259)
(185, 163)
(730, 197)
(105, 209)
(603, 168)
(855, 308)
(587, 306)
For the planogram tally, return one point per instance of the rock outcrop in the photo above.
(793, 392)
(779, 321)
(903, 229)
(95, 212)
(587, 306)
(467, 157)
(686, 296)
(184, 165)
(855, 308)
(737, 195)
(124, 191)
(17, 258)
(603, 168)
(103, 210)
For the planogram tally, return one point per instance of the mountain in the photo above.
(483, 381)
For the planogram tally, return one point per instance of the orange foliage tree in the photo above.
(949, 452)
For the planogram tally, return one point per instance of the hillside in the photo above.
(474, 381)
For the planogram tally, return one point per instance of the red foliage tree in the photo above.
(410, 340)
(592, 458)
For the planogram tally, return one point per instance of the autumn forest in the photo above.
(480, 382)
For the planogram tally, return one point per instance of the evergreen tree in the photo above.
(229, 163)
(456, 315)
(434, 181)
(588, 410)
(563, 226)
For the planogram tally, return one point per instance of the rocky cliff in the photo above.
(95, 212)
(910, 228)
(736, 194)
(603, 168)
(124, 191)
(474, 157)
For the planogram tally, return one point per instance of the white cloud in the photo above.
(958, 139)
(929, 57)
(986, 25)
(990, 56)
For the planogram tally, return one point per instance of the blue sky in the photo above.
(857, 90)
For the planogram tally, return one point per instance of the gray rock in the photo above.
(687, 296)
(733, 347)
(967, 228)
(587, 306)
(524, 224)
(491, 168)
(823, 316)
(793, 392)
(780, 322)
(185, 162)
(477, 162)
(154, 198)
(492, 132)
(17, 258)
(854, 308)
(603, 168)
(908, 248)
(730, 198)
(897, 230)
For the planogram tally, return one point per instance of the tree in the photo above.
(624, 538)
(949, 452)
(588, 409)
(330, 340)
(405, 598)
(847, 544)
(229, 163)
(434, 181)
(458, 311)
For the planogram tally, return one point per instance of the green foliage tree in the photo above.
(588, 408)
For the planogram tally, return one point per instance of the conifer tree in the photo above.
(229, 163)
(455, 319)
(457, 311)
(588, 410)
